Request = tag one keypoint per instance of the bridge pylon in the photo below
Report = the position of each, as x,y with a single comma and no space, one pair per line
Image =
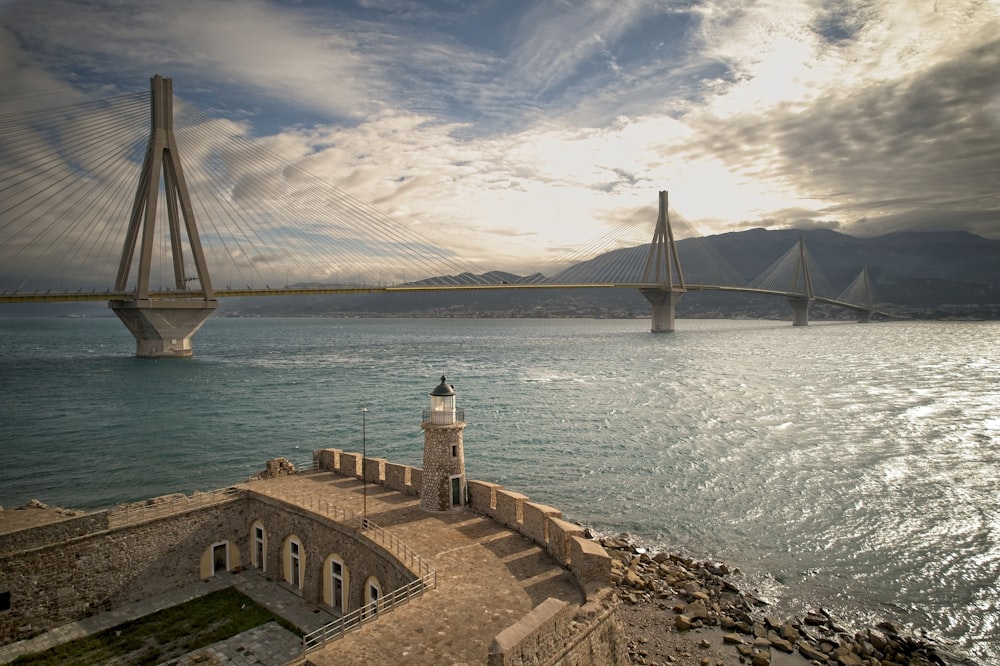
163,325
662,273
801,280
865,316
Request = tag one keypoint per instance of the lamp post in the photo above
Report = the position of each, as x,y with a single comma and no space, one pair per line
364,458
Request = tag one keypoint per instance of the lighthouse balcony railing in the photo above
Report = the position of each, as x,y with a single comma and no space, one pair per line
444,416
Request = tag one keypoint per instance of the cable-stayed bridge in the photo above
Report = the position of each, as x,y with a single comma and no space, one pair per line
96,204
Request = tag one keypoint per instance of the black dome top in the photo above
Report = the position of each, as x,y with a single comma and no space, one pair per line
443,389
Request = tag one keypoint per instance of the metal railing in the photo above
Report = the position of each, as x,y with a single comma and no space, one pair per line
443,417
311,503
353,620
392,543
129,514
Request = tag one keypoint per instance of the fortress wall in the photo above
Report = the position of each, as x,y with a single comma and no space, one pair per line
73,577
321,537
403,478
587,560
327,459
565,542
561,534
590,564
556,633
65,581
483,497
400,477
350,464
535,524
50,533
553,632
374,470
510,509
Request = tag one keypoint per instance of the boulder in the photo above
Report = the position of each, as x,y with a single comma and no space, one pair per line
809,652
683,622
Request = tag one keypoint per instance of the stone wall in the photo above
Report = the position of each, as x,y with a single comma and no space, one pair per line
68,574
555,632
321,537
587,560
85,574
44,535
403,478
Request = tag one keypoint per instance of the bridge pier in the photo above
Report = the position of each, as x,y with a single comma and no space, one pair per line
163,328
863,316
800,309
664,303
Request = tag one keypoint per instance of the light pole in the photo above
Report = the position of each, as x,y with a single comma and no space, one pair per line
364,458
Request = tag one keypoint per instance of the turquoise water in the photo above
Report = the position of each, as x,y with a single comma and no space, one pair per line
853,467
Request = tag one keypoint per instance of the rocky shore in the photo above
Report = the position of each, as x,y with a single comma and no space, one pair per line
680,611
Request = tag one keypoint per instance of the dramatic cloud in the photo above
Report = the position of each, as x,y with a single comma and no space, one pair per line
525,128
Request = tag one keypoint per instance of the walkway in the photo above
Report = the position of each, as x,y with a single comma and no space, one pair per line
488,577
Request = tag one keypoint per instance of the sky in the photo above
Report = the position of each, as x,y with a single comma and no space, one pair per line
530,126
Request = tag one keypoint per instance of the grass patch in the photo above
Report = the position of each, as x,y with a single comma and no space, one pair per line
166,634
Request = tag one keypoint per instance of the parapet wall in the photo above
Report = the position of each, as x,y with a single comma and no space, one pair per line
587,561
554,632
63,530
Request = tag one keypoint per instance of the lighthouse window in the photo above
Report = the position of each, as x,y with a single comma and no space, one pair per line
4,601
454,450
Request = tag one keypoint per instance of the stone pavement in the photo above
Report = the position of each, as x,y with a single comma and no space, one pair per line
267,645
488,577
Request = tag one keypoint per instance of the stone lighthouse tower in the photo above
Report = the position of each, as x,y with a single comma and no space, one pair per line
443,484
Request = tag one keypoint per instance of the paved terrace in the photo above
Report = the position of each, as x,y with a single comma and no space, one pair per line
488,577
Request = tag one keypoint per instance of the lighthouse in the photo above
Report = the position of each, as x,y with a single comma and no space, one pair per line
443,485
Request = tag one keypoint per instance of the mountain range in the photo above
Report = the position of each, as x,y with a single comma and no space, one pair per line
944,274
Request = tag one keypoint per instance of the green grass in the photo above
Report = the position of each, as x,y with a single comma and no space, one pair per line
166,634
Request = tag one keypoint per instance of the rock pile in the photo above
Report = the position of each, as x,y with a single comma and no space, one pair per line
274,468
698,595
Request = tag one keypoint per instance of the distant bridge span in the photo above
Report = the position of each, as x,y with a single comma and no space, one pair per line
163,321
79,296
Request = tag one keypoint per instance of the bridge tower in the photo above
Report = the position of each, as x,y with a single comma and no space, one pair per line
663,272
867,297
163,325
801,280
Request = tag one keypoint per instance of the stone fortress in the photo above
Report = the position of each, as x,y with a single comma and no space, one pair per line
410,565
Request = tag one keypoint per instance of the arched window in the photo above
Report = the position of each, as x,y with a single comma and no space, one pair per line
258,546
373,595
294,565
336,583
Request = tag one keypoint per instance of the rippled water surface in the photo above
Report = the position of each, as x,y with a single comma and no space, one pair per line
851,466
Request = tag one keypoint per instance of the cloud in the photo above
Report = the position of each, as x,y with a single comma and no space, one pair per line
523,129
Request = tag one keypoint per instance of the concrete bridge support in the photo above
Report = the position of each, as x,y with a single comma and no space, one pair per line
863,316
163,328
663,302
800,308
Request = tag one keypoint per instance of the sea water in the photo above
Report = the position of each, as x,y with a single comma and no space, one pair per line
853,467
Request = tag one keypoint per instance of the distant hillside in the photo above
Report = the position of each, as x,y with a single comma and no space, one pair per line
922,274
